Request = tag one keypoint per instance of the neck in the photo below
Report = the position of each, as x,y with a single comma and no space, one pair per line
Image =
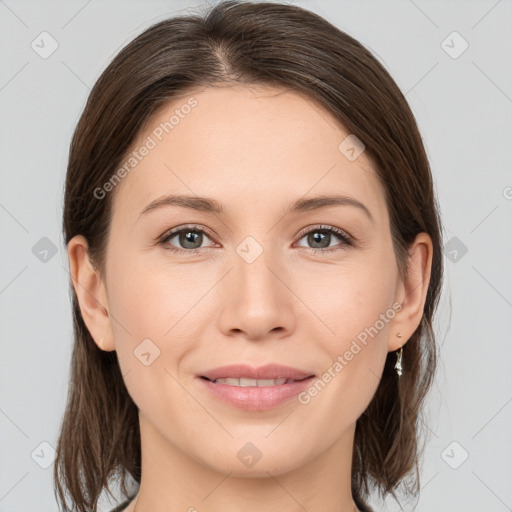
172,479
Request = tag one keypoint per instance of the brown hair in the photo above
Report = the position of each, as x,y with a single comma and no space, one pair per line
245,43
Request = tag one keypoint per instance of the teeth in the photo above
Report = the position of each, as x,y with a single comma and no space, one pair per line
243,382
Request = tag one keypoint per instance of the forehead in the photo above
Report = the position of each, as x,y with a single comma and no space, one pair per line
247,147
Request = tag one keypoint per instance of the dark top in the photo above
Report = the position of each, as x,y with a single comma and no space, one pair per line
122,506
362,506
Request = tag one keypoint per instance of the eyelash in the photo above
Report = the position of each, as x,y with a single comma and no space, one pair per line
346,239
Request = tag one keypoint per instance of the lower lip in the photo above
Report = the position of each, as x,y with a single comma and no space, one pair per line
254,398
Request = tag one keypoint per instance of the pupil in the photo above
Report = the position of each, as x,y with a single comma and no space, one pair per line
185,239
318,237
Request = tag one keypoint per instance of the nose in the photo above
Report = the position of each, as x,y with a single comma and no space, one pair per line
257,299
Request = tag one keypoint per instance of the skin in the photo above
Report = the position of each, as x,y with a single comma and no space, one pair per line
255,150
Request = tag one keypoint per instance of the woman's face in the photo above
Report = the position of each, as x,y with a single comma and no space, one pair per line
255,284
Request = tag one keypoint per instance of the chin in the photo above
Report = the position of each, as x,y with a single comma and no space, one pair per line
252,460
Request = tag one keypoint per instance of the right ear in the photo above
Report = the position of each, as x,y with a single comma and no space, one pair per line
91,293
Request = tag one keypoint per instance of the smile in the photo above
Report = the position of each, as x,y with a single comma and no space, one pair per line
247,382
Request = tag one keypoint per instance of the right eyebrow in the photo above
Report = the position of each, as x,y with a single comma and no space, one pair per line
204,204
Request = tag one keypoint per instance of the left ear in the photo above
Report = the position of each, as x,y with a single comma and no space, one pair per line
412,291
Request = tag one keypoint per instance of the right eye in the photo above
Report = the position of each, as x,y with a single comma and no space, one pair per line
190,237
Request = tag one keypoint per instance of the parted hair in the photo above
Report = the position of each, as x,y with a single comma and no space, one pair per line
245,43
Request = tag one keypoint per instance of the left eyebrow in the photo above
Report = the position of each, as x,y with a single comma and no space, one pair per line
315,203
210,205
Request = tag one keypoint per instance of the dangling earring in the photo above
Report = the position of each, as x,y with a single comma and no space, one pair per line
398,365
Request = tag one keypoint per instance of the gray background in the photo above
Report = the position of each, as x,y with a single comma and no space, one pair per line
463,104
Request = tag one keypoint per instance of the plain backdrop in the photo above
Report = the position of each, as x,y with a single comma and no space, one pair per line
452,60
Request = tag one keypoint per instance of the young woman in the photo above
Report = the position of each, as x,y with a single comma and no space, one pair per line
255,251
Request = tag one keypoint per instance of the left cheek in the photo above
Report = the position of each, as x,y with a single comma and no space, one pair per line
356,321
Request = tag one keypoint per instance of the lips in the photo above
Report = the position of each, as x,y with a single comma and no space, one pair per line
255,389
247,374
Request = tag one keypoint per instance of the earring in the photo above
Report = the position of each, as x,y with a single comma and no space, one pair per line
398,365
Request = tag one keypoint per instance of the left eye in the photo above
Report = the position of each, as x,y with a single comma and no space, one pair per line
320,237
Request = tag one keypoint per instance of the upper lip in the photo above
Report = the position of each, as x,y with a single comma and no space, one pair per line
269,371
